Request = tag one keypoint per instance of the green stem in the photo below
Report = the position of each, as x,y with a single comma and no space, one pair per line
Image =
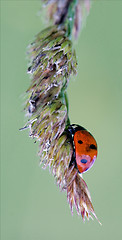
70,18
64,99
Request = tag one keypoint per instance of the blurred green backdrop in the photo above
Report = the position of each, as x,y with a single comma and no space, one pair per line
32,207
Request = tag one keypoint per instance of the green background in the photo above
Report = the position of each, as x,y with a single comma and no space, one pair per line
32,206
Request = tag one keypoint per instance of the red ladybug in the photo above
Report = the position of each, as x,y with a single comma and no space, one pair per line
84,147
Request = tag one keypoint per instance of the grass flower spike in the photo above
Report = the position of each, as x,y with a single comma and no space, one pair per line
52,61
67,149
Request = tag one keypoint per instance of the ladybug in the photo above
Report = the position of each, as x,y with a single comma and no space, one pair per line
84,147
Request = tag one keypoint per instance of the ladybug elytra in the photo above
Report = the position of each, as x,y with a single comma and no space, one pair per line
84,147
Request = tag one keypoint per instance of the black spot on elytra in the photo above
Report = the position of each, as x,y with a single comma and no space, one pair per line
80,142
92,146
